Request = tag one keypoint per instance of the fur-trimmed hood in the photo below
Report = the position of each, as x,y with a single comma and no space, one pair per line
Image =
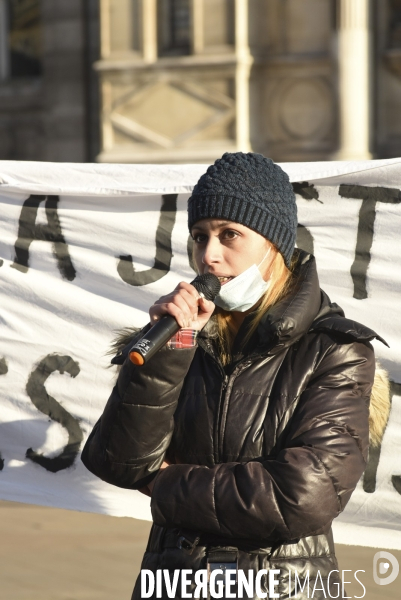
379,409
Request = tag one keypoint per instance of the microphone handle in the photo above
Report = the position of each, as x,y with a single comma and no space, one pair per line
153,340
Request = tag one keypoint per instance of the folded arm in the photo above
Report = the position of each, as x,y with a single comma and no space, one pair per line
305,485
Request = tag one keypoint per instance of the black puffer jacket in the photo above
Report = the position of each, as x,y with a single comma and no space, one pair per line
266,453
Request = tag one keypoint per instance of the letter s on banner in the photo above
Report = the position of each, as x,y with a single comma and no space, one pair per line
49,406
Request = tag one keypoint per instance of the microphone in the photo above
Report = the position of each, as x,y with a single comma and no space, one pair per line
207,285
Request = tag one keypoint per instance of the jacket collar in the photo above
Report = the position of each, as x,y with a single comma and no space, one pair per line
291,318
305,308
327,320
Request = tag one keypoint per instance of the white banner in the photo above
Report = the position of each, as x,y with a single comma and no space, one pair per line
86,249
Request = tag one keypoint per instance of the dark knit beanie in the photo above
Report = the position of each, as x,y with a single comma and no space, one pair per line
252,190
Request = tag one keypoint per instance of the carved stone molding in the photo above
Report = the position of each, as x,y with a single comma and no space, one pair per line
166,112
301,108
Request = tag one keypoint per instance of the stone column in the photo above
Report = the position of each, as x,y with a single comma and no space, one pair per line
149,12
105,28
197,26
243,68
354,70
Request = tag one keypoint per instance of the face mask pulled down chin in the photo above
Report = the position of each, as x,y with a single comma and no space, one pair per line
242,292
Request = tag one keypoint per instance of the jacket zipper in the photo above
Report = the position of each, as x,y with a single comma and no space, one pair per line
225,391
219,418
225,400
216,422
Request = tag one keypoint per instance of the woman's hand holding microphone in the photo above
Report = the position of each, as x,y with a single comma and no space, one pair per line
190,305
186,305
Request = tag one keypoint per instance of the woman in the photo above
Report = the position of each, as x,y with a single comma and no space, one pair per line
252,437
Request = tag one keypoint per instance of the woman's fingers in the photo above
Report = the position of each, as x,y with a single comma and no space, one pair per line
191,296
206,308
172,308
191,302
182,304
198,302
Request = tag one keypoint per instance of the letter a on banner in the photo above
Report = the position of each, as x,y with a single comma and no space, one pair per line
28,231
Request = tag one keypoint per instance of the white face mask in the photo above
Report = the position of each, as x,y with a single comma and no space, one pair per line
242,292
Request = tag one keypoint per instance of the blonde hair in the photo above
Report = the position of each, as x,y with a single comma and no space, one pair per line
281,280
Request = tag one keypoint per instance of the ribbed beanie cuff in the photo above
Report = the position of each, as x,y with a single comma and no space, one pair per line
246,213
252,190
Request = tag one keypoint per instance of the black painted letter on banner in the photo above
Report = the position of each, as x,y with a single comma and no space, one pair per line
369,476
3,371
367,214
306,190
396,479
49,406
3,366
28,231
304,239
164,251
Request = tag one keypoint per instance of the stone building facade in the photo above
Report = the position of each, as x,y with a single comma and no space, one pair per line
185,80
49,101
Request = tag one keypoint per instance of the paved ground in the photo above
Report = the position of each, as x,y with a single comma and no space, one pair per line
52,554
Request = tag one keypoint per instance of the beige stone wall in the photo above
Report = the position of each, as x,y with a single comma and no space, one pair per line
266,75
166,104
259,75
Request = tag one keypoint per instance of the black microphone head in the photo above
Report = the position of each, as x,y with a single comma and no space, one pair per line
208,285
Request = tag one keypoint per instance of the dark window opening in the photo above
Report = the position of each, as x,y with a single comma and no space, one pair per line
395,24
174,27
25,38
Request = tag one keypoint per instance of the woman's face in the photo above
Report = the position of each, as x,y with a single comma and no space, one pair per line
227,249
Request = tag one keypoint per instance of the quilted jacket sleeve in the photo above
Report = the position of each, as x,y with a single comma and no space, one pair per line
308,482
127,445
